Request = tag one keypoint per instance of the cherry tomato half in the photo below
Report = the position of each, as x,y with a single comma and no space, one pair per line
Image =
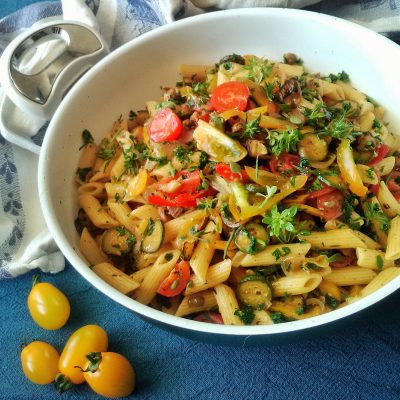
284,164
165,126
381,151
176,281
226,172
230,96
318,193
110,374
48,306
331,205
88,339
40,362
393,182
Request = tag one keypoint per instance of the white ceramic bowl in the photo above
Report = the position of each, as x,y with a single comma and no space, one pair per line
129,76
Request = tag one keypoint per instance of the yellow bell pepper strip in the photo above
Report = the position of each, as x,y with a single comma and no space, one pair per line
265,178
348,169
233,113
240,198
217,145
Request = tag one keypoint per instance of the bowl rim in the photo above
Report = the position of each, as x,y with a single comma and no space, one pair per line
144,310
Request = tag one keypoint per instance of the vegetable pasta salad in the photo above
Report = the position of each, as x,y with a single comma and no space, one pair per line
254,192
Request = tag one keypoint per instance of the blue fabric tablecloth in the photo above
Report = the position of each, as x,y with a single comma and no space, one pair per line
359,361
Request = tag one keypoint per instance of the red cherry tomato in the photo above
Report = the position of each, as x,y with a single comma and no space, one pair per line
176,281
381,151
229,96
393,182
210,317
374,189
284,164
186,200
318,193
226,172
331,204
397,196
165,126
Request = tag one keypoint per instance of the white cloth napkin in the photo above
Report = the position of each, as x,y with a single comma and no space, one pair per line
25,242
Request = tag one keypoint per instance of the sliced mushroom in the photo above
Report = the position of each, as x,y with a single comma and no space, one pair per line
291,59
256,148
290,92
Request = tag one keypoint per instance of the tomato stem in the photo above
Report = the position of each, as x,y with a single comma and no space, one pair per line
35,279
62,383
94,362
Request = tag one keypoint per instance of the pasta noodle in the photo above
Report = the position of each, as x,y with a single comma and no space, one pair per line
252,192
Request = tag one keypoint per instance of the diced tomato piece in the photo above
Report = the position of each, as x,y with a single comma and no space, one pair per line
393,182
165,126
175,283
210,317
230,96
381,152
226,172
284,164
331,205
374,189
397,196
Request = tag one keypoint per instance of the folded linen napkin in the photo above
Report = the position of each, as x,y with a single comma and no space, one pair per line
25,242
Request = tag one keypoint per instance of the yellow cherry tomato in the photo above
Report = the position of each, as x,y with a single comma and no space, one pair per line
88,339
110,374
48,306
40,362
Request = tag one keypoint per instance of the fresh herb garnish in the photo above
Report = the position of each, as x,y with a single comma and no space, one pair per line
83,173
282,224
285,141
252,128
277,317
86,138
341,76
284,251
246,314
379,262
257,69
331,301
373,212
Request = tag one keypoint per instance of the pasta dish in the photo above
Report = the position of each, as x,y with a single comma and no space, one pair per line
253,192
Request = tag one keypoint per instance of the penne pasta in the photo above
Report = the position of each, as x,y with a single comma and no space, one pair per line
380,280
393,240
340,239
164,264
96,212
348,276
294,284
373,259
227,304
116,278
90,249
201,301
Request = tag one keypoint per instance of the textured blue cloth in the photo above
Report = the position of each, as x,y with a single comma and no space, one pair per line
361,361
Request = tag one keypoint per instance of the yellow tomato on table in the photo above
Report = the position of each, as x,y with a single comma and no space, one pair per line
40,362
85,340
48,306
110,374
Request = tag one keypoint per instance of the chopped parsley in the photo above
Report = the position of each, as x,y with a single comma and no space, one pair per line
373,212
257,69
87,138
285,141
252,128
331,301
83,173
301,310
379,262
339,127
246,314
282,224
284,251
341,76
277,317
